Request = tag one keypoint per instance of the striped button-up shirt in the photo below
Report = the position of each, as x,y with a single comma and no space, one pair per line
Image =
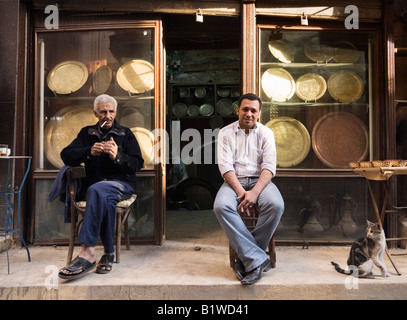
246,154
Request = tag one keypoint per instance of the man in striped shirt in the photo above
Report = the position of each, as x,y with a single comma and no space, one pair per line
247,162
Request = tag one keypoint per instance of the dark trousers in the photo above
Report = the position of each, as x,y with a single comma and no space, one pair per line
100,214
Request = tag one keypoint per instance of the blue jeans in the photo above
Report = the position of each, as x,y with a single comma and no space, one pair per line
100,214
250,247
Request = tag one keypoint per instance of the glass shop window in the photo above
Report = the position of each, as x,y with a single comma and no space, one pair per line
74,67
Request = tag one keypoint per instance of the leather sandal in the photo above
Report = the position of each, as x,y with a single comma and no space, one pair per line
105,263
76,265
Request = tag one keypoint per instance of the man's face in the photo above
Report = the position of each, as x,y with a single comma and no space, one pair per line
249,113
106,112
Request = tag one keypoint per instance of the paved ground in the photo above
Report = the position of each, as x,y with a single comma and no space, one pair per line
195,270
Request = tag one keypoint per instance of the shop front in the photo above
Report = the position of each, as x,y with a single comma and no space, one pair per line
321,72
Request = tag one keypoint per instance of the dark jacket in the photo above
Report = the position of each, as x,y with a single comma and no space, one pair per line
123,168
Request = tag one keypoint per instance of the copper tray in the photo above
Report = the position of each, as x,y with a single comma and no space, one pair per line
136,76
292,141
278,84
62,128
339,138
282,50
67,77
345,86
310,87
102,79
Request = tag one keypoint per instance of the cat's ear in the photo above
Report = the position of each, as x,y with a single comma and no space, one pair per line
370,224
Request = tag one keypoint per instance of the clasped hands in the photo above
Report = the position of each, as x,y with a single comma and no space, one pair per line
247,203
109,147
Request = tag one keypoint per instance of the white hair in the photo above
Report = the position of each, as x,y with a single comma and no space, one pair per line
104,98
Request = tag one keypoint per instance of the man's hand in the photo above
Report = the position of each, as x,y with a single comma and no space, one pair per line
109,147
247,203
97,149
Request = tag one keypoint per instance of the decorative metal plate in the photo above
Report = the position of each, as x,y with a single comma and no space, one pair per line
206,109
318,52
179,109
102,79
310,87
346,52
339,138
345,86
67,77
292,141
63,128
145,139
193,110
282,50
136,76
278,84
225,107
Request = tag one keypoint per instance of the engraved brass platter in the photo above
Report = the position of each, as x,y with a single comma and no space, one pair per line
339,138
102,79
345,86
292,141
145,139
282,50
278,84
345,52
62,128
310,87
136,76
67,77
318,52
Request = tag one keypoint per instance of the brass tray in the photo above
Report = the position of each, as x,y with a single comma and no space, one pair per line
345,86
310,87
345,52
62,128
282,50
292,141
318,52
136,76
339,138
67,77
278,84
102,79
145,139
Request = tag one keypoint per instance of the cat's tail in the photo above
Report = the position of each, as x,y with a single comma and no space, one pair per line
339,269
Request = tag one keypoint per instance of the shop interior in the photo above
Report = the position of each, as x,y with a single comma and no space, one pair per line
203,82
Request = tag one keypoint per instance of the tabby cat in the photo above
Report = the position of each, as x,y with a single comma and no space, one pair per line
366,251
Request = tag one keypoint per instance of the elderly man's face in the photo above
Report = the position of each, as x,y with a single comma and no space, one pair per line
106,112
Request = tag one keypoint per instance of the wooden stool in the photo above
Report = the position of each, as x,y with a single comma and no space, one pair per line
78,209
250,223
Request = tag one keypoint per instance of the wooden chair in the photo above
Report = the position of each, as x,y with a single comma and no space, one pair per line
78,210
250,223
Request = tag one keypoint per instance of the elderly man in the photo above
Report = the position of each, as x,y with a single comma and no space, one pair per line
112,156
247,162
